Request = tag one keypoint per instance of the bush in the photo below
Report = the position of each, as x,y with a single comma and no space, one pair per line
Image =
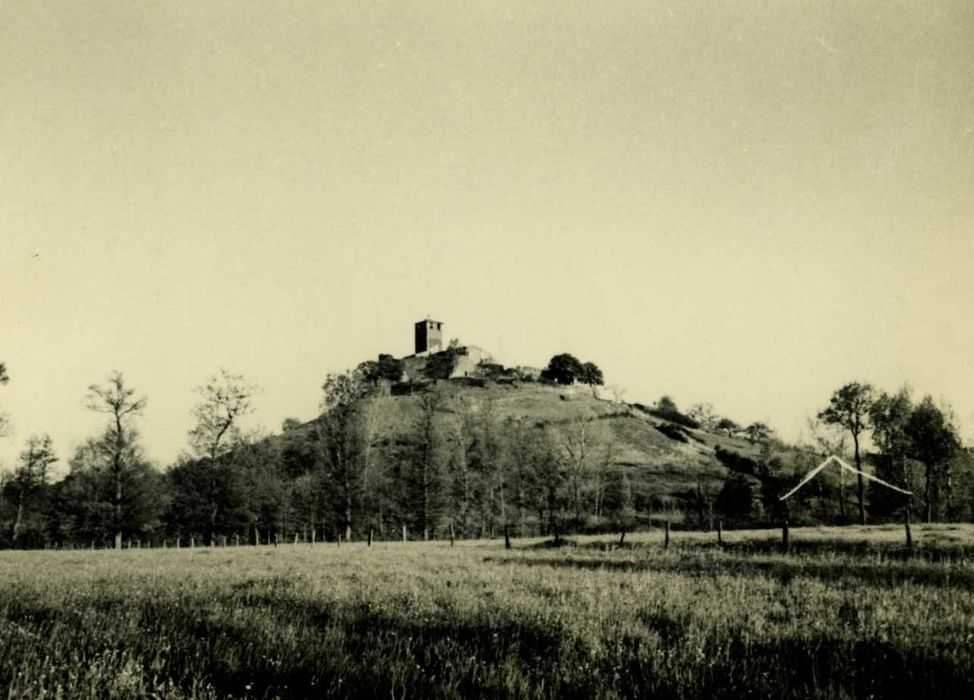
736,462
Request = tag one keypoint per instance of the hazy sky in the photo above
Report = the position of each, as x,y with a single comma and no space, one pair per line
746,203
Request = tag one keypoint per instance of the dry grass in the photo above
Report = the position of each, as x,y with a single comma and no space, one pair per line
845,615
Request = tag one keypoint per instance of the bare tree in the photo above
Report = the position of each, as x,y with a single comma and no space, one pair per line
585,449
224,400
705,415
120,442
827,440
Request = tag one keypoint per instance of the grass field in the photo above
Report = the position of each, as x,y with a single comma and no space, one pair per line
846,614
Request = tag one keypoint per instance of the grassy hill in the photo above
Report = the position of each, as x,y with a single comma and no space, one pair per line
666,462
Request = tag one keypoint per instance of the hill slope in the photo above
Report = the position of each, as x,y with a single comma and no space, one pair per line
665,463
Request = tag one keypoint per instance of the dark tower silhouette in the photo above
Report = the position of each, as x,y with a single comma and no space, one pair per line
429,336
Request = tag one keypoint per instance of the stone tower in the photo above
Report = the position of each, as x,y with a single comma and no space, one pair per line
429,336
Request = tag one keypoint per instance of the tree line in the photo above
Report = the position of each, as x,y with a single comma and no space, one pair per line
443,462
438,465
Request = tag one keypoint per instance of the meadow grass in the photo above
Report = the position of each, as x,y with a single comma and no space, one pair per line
845,614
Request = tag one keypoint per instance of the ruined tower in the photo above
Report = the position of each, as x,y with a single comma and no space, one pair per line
429,336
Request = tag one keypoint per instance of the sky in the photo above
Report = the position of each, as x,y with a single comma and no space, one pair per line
741,203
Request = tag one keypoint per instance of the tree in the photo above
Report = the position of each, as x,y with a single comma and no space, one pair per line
591,375
666,405
29,481
87,504
340,442
524,451
428,461
585,453
826,440
440,365
563,369
386,368
758,432
849,408
727,426
618,502
119,444
735,502
704,414
489,371
552,475
289,425
224,400
933,441
890,415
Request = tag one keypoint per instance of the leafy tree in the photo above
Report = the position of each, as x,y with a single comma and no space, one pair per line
758,432
890,415
735,502
441,365
119,444
667,409
390,368
563,369
265,498
340,443
933,441
727,426
30,482
552,474
289,425
489,371
87,503
850,408
667,405
524,452
591,375
427,463
386,368
224,400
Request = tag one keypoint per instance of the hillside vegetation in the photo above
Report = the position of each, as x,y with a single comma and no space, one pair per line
493,452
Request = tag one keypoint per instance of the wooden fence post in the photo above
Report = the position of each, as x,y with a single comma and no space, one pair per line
785,540
404,533
452,534
314,536
371,533
720,533
339,539
666,540
507,537
909,534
